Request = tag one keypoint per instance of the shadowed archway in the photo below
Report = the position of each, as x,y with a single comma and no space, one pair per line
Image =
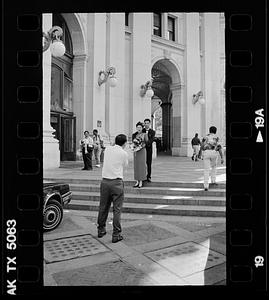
165,76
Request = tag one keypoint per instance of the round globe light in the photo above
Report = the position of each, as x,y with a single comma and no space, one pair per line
113,81
57,48
150,93
202,101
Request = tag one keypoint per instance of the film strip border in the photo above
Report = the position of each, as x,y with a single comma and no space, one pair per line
22,164
246,154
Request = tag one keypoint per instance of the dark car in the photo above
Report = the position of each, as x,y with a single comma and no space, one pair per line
55,196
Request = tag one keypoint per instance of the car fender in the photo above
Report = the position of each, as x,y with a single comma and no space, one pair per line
54,195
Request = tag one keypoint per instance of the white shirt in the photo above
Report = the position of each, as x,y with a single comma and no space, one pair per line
115,159
87,141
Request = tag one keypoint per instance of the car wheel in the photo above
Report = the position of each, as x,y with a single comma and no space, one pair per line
52,215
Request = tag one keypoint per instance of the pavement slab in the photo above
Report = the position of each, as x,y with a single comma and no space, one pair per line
156,250
187,258
145,233
210,276
106,274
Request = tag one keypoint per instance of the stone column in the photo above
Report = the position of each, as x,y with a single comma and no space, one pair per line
79,95
51,151
212,70
140,67
95,102
177,128
165,25
166,118
193,80
115,57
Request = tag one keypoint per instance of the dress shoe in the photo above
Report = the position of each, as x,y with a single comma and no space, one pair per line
140,185
148,180
116,239
101,233
136,185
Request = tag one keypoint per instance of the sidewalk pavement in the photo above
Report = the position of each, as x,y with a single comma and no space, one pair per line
156,250
164,168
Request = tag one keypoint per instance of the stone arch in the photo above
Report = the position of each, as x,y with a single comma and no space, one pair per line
171,66
171,102
76,30
76,26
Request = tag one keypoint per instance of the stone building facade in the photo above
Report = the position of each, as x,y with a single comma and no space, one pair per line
182,53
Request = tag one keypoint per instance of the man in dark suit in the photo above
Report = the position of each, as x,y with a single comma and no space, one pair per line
151,135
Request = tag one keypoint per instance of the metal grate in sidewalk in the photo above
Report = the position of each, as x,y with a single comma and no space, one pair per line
69,248
187,258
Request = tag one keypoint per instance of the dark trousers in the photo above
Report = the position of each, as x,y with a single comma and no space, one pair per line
111,190
87,159
149,161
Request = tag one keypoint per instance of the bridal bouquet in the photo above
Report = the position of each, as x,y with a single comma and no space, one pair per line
136,144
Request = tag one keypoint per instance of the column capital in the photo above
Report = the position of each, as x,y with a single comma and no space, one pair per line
80,58
176,86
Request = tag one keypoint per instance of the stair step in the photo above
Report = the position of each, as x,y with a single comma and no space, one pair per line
142,208
171,184
156,199
154,190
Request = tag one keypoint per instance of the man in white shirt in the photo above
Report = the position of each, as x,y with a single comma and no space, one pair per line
112,187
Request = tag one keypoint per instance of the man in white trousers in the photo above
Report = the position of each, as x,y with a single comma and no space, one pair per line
211,147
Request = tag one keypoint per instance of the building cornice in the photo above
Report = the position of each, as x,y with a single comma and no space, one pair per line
166,43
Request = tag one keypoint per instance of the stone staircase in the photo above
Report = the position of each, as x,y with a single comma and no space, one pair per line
163,198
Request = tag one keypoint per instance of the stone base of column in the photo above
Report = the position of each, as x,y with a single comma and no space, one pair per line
176,151
181,151
51,152
189,151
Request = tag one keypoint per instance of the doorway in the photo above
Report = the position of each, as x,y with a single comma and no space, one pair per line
62,116
161,109
165,106
65,131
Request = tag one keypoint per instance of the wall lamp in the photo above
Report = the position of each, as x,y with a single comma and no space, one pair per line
108,74
52,38
198,97
146,90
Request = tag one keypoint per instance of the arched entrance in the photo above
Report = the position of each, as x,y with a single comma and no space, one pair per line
62,115
67,79
166,111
